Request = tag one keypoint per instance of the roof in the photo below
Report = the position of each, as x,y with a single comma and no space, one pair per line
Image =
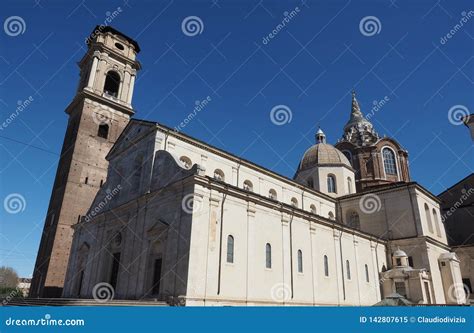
108,28
456,184
390,186
321,154
394,299
235,157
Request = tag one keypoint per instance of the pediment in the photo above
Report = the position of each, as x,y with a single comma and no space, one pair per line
132,132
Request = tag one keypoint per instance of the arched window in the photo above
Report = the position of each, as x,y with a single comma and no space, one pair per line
294,202
353,220
186,162
428,218
81,264
348,155
268,256
312,208
436,223
112,84
367,273
248,186
389,163
103,131
331,184
348,270
331,215
300,261
219,175
272,194
326,266
349,185
230,249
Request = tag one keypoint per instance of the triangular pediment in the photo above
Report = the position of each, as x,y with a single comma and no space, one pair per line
135,130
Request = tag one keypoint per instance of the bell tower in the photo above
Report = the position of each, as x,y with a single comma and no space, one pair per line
97,116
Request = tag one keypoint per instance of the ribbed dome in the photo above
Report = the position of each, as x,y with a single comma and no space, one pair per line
323,153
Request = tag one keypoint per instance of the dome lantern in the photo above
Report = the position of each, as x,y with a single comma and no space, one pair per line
320,136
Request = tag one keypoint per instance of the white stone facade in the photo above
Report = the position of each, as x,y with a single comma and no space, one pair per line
205,220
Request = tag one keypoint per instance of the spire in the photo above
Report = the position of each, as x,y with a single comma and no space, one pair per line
358,129
355,110
320,136
356,115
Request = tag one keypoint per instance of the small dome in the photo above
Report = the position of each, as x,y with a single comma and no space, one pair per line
321,154
399,254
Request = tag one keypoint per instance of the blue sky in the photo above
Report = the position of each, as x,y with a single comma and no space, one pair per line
310,66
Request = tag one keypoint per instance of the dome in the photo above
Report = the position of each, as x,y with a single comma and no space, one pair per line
321,154
399,253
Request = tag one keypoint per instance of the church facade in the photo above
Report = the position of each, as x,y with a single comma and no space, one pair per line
177,219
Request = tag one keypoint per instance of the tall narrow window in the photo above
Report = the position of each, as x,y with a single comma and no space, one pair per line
436,223
268,256
326,266
112,84
428,218
389,163
310,183
312,208
348,270
367,273
86,181
103,131
331,184
349,185
114,269
230,249
300,261
348,155
137,173
354,220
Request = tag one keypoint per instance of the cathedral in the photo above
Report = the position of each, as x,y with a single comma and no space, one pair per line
153,213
